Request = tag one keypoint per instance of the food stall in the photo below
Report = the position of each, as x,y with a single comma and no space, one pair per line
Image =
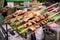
25,22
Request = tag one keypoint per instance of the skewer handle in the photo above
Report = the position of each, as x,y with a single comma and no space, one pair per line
23,30
47,7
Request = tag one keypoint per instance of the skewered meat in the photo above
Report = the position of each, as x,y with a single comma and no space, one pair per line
14,15
45,15
19,12
19,17
6,21
30,15
37,18
13,20
37,25
32,19
35,21
8,17
27,15
32,28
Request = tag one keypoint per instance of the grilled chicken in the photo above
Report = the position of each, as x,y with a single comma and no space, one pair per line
29,15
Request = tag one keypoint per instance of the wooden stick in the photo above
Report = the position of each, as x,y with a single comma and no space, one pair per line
31,27
47,8
54,9
23,30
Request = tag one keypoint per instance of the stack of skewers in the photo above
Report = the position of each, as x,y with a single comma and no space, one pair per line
26,21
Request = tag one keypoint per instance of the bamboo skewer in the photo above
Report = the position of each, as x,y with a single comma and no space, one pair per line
31,27
47,8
